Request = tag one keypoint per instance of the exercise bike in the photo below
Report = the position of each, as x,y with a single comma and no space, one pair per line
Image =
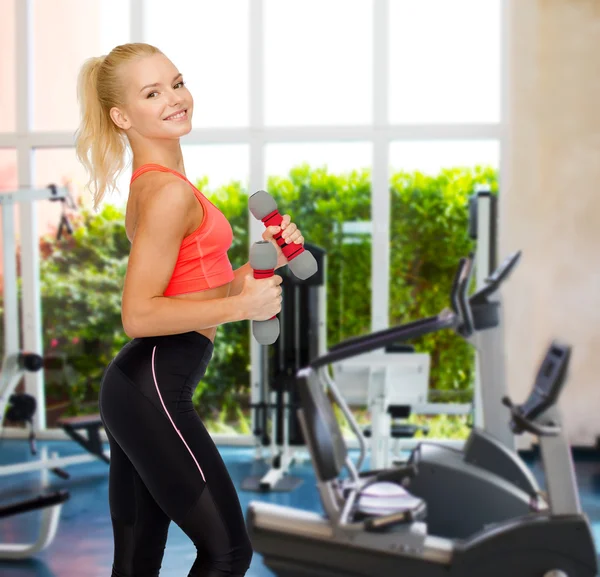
22,408
375,525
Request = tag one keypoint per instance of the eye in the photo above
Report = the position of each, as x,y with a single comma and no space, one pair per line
179,84
151,93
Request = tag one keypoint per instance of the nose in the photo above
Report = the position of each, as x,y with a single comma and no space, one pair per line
173,98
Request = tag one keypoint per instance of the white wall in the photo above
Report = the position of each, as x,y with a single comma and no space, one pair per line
551,203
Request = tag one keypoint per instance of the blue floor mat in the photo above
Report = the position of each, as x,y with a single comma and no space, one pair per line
83,545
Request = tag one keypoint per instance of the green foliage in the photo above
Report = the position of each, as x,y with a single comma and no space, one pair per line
429,220
82,279
322,203
81,284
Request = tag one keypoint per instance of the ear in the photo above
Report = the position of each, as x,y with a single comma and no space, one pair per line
120,118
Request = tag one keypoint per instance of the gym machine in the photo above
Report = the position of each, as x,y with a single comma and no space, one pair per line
19,365
448,479
375,525
490,375
302,338
394,383
33,393
13,369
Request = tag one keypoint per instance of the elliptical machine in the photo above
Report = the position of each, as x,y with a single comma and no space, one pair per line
460,494
373,526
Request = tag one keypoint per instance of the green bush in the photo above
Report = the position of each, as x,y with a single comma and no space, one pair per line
82,278
81,284
429,220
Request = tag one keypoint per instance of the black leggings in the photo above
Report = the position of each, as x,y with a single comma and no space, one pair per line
164,466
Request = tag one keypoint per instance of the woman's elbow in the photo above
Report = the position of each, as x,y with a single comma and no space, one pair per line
128,328
132,325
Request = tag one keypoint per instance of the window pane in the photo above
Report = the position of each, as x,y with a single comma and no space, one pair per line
318,62
337,157
429,220
330,200
8,169
208,41
60,165
8,79
66,33
444,61
433,156
219,164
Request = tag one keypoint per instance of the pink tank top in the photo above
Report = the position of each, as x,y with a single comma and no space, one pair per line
202,263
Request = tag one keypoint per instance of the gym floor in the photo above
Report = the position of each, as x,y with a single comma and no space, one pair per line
83,544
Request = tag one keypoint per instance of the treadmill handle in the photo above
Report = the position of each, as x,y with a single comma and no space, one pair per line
357,346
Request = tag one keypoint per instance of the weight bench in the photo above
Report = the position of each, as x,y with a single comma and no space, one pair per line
91,424
50,506
34,504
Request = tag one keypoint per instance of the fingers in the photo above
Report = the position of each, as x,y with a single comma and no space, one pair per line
296,237
277,280
270,232
288,231
286,221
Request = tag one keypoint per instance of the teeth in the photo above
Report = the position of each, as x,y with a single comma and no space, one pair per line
178,115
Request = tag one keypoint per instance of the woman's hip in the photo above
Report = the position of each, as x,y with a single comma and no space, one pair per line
164,369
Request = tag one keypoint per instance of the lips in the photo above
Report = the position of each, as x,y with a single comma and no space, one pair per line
179,115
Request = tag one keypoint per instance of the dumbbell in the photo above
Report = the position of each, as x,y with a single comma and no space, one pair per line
301,262
263,260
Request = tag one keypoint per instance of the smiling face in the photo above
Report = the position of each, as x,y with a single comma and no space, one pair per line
157,104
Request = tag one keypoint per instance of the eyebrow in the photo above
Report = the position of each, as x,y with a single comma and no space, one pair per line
157,83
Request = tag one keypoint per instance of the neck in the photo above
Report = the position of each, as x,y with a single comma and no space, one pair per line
165,153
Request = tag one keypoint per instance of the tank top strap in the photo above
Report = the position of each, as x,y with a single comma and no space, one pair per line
160,168
151,167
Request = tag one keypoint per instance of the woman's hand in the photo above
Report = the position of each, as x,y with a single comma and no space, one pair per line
261,298
291,234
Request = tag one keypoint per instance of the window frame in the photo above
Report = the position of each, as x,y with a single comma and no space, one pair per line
381,133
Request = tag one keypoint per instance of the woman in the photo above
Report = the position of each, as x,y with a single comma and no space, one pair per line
179,287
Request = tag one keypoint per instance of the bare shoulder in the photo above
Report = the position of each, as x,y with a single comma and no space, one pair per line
165,212
163,200
162,197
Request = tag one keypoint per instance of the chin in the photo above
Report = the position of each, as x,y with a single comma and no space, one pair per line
182,130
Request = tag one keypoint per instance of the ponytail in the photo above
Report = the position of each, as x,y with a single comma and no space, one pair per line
100,145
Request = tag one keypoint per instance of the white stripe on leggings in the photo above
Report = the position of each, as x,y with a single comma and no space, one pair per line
170,419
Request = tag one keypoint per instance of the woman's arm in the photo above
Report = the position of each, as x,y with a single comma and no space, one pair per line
235,288
163,222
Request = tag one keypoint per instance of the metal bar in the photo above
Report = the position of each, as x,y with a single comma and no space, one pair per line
43,464
256,179
136,22
416,132
380,189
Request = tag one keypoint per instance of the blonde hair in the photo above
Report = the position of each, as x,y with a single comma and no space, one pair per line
100,144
